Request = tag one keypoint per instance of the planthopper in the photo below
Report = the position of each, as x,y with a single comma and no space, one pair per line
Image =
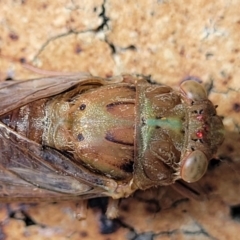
76,137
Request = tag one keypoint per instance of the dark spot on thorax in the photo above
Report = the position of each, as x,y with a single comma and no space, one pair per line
82,107
80,137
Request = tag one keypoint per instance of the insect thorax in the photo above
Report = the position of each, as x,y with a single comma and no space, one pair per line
121,131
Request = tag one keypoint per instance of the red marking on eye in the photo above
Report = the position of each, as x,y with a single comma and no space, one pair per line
199,134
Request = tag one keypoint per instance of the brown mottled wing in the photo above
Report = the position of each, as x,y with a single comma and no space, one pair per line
30,172
18,93
27,170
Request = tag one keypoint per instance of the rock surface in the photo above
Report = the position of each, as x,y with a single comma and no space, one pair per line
169,40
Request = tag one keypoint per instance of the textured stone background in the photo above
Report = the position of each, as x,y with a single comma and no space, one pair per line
169,40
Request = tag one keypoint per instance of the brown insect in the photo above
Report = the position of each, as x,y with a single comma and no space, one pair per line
79,137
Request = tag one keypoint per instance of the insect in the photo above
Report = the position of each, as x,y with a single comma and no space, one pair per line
79,137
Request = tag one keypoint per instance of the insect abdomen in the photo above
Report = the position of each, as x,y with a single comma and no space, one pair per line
28,120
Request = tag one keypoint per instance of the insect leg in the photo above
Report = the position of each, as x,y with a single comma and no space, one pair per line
192,192
112,208
81,211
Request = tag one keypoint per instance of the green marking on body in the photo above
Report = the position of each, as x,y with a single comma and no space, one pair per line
174,124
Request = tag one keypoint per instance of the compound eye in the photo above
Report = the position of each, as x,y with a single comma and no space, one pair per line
193,90
194,166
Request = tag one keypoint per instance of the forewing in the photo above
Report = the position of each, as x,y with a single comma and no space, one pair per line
18,93
31,172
